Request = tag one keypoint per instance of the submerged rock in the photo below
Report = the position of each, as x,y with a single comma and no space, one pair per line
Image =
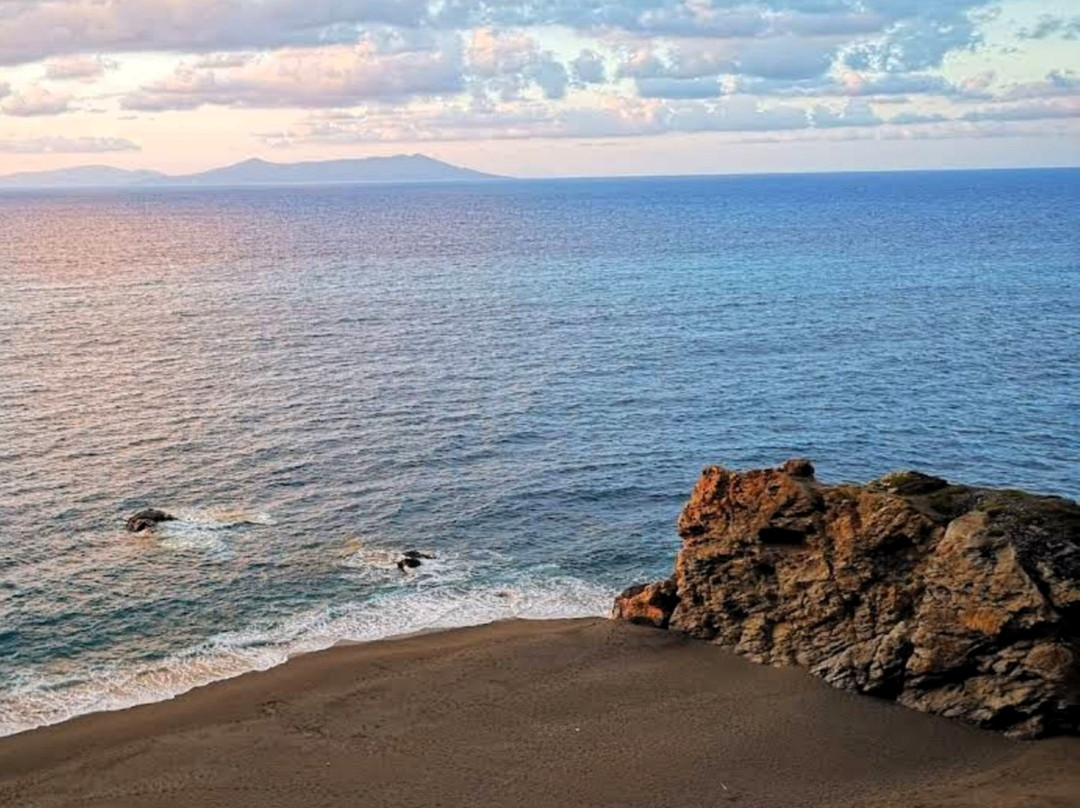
147,519
950,599
411,559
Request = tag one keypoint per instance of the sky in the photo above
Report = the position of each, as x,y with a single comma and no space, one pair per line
542,87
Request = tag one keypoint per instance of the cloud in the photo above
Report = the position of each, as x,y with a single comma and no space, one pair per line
647,17
494,53
916,118
66,145
464,69
737,114
1050,26
1055,84
835,23
698,19
506,63
855,113
35,101
213,61
912,32
550,76
334,76
883,87
785,58
849,84
684,18
81,67
615,117
856,84
1027,111
34,29
944,130
589,68
660,87
920,37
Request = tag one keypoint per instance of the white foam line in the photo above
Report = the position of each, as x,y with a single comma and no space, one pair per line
51,699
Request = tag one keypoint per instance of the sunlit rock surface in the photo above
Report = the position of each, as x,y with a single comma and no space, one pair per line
950,599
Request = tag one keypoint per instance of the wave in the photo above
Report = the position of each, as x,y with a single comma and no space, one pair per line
220,518
204,529
40,698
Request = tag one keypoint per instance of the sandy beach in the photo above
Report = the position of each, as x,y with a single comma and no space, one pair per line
582,712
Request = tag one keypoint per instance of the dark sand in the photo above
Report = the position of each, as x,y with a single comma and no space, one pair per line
560,713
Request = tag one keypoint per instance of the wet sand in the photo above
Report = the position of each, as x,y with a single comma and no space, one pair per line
553,713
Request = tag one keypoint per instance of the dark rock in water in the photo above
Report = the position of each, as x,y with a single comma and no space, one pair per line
950,599
147,519
648,604
411,559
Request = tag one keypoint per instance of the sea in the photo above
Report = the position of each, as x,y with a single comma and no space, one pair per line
521,378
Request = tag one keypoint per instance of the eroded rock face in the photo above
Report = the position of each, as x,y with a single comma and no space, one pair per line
648,604
954,600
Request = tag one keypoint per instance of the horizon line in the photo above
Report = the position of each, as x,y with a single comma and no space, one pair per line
487,178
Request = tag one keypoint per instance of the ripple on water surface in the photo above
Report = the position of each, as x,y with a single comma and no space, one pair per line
521,378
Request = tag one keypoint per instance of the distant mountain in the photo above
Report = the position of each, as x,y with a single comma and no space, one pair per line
402,168
81,177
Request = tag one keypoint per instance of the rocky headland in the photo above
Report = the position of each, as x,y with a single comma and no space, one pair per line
949,599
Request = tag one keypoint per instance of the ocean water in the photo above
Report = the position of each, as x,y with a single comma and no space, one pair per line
524,378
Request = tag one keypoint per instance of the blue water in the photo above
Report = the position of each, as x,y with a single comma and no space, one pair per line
524,378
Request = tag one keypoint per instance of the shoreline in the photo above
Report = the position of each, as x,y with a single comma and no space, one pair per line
168,678
527,712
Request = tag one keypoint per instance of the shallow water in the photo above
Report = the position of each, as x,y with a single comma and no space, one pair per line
523,378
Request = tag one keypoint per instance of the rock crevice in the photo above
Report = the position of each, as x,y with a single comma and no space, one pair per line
950,599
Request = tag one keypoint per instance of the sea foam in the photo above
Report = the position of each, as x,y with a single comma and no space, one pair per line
49,697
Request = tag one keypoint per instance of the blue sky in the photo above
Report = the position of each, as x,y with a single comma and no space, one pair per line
542,87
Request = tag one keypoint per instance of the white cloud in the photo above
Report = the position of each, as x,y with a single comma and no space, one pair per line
213,61
784,58
66,145
661,87
35,101
615,117
64,68
34,29
334,76
1051,26
1055,84
915,32
506,63
679,60
494,53
643,67
1028,110
917,118
920,40
947,129
854,113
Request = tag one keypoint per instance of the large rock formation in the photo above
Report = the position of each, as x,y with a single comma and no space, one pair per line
950,599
